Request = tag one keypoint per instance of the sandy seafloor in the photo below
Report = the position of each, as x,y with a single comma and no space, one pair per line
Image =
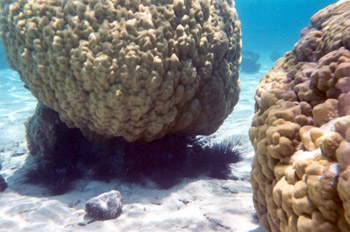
200,204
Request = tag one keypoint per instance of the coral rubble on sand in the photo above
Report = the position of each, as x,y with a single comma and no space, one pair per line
301,133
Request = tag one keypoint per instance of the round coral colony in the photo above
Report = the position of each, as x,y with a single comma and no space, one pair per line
301,131
137,69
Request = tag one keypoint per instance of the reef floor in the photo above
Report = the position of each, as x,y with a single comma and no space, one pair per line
198,204
193,204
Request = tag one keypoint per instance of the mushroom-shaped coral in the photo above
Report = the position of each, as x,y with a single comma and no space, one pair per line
301,131
138,69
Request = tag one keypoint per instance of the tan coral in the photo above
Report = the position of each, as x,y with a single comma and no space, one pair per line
301,131
325,112
344,191
137,69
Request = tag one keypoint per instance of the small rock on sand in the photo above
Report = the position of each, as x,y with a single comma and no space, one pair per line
105,206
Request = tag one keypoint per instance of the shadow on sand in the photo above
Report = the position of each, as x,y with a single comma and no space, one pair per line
165,162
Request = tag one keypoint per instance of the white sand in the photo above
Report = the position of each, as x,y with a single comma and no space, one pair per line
201,204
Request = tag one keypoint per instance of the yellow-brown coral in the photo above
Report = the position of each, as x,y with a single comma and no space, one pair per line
301,131
137,69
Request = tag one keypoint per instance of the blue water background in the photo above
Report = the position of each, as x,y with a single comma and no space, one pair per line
275,25
3,62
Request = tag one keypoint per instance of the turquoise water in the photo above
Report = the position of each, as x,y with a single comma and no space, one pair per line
275,25
3,62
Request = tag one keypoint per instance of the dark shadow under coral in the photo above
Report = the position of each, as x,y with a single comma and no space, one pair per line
62,155
165,161
168,160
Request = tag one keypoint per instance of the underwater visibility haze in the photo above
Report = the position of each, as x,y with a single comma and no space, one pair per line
173,184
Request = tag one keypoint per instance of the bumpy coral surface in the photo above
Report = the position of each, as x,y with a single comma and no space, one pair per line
136,68
301,131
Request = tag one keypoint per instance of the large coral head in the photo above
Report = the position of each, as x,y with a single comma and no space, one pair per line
138,69
301,131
